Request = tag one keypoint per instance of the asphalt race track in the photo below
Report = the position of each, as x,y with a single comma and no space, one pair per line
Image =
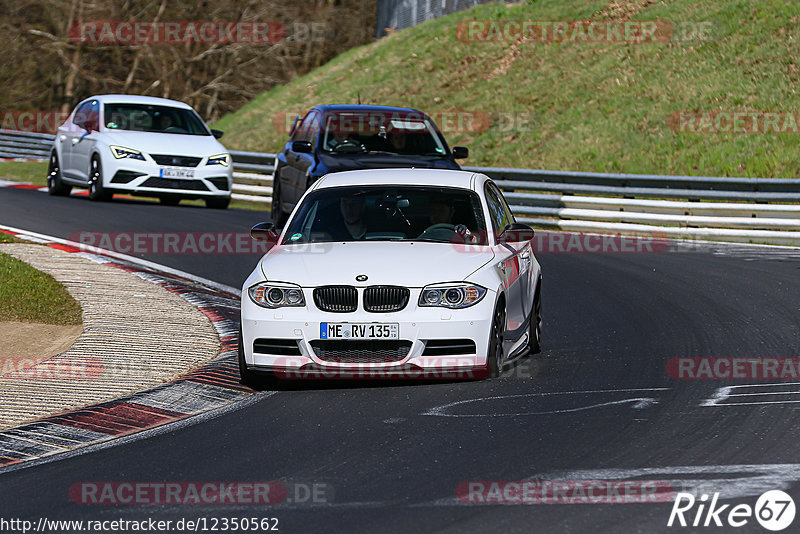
596,404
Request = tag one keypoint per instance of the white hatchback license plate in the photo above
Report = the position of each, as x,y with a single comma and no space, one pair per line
359,330
176,172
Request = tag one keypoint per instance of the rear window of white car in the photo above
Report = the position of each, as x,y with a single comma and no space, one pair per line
389,213
150,118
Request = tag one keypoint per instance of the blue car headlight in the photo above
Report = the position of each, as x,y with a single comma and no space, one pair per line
270,295
219,159
120,152
452,296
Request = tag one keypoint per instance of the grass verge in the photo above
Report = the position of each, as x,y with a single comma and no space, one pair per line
34,172
28,295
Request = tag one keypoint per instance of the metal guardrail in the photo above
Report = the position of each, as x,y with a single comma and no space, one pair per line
27,145
762,210
252,176
757,210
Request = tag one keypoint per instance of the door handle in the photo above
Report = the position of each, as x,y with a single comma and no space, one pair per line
75,140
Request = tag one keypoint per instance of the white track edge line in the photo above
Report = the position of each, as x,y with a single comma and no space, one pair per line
131,259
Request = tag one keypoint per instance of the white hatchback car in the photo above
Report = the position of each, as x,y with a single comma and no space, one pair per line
395,272
142,146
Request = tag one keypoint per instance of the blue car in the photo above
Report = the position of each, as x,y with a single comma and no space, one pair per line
335,138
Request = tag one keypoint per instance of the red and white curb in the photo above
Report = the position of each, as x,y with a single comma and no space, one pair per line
210,387
8,184
20,185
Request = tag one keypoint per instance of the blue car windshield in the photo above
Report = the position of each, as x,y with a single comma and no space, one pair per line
388,213
403,133
150,118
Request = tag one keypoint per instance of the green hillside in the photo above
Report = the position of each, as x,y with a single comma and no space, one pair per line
588,106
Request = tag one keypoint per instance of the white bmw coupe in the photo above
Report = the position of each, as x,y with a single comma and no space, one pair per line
395,272
142,146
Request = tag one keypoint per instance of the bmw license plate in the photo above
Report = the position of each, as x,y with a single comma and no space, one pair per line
176,172
359,330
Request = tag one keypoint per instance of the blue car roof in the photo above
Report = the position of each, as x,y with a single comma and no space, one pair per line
362,107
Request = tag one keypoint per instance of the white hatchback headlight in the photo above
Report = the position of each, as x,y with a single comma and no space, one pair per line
270,295
120,152
451,295
219,159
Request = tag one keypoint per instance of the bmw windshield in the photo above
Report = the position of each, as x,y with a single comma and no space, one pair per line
373,132
388,213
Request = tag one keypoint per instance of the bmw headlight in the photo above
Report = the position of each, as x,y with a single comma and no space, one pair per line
219,159
120,152
452,296
277,295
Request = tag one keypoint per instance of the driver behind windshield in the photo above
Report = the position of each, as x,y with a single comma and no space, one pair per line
164,122
351,225
441,211
398,141
336,138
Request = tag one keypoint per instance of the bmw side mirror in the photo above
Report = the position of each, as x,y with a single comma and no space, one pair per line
516,233
217,134
265,231
301,147
460,152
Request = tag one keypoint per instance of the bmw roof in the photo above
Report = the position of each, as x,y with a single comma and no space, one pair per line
431,177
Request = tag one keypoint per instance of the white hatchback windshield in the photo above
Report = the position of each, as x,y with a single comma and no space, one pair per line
150,118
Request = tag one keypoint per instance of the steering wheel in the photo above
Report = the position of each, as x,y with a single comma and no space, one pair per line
439,228
349,145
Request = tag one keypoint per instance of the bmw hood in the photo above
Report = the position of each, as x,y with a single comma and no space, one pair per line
164,143
410,264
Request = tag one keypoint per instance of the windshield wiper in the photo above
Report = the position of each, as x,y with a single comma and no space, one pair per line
427,240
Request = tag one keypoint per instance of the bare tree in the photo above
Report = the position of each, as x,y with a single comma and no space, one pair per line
49,67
